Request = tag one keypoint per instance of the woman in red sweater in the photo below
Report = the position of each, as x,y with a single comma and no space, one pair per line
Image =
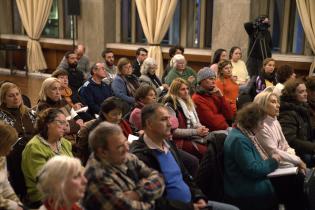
227,84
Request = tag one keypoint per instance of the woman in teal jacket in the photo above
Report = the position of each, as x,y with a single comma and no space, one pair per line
246,164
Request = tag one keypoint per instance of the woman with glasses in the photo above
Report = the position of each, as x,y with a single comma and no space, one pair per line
125,83
51,126
13,112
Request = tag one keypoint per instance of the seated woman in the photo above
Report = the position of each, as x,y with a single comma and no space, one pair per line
271,138
111,111
219,55
51,126
181,70
125,83
239,69
295,120
246,164
148,77
226,83
144,95
267,76
283,74
188,133
14,113
8,199
61,191
66,93
50,97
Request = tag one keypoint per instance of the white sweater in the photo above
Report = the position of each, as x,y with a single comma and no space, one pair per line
272,140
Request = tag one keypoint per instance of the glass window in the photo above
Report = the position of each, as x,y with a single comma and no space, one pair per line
17,24
52,26
126,21
208,22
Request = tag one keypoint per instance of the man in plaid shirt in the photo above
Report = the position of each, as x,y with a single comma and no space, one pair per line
116,178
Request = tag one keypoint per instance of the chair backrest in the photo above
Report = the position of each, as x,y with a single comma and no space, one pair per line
209,176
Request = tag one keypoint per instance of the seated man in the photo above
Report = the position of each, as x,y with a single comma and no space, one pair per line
158,153
110,67
75,76
118,179
213,109
141,55
83,61
95,91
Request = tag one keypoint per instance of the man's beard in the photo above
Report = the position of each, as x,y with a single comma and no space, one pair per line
73,65
109,64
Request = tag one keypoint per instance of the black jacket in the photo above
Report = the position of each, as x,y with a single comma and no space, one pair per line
141,150
296,126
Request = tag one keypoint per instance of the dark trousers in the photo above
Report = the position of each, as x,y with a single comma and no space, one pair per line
290,191
254,66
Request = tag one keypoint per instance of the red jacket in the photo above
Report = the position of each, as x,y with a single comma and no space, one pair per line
213,111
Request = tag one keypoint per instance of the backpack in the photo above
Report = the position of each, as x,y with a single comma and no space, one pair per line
209,176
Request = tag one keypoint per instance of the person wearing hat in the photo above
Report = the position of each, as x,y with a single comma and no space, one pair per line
213,110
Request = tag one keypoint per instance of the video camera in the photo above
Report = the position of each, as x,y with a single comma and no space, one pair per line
260,25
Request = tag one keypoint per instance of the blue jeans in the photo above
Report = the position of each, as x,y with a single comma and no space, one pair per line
221,206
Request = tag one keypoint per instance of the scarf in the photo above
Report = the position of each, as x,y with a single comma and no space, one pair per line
191,115
132,84
155,80
254,140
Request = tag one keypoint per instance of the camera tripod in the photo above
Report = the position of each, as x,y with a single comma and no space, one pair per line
262,44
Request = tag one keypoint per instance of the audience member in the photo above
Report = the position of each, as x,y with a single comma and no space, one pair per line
75,76
239,69
171,52
125,83
188,133
8,199
14,113
141,55
295,120
116,178
83,63
50,97
110,67
157,152
289,188
144,95
181,70
267,76
95,91
219,55
283,73
51,126
111,111
148,77
246,164
310,86
214,111
62,183
226,83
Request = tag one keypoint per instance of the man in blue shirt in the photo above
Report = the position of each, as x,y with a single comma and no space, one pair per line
158,153
94,91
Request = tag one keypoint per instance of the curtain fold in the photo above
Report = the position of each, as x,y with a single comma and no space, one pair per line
155,17
34,15
306,10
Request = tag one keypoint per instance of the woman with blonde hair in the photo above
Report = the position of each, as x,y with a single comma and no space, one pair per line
61,191
188,133
8,199
267,75
272,140
13,112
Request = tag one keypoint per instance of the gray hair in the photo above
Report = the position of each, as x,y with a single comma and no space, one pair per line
98,138
45,86
176,58
146,65
53,176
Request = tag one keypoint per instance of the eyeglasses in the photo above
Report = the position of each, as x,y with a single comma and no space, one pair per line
61,122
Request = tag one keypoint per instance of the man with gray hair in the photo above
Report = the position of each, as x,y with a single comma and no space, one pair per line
213,109
116,178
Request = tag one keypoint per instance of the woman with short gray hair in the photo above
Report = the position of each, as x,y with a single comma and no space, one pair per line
148,76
